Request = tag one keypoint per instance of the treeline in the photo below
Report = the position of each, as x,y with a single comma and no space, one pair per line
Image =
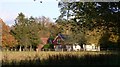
92,22
27,32
83,22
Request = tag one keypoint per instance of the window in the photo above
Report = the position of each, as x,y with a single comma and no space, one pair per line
58,41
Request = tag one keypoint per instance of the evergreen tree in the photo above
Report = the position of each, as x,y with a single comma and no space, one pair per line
26,31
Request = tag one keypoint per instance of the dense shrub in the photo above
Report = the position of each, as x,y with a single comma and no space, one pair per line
48,46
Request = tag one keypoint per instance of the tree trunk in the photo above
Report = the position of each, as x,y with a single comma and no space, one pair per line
62,49
25,48
15,49
20,49
30,48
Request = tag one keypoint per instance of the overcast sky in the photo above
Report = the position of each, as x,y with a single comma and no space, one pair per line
9,9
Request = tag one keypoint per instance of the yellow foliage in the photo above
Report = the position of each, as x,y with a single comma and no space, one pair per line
94,36
113,38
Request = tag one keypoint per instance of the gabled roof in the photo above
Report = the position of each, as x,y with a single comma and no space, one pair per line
61,36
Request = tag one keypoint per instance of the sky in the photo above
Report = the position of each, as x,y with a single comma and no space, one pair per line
9,9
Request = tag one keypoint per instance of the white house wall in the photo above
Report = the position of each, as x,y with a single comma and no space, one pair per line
76,47
91,48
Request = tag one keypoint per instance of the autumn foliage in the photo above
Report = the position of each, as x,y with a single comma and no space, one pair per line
7,39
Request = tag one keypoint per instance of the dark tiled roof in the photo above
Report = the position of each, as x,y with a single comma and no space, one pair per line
62,36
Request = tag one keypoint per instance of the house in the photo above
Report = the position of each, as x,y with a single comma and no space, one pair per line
69,47
59,39
91,47
59,42
44,41
76,47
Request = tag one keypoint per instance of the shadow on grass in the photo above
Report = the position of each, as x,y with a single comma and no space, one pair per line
101,59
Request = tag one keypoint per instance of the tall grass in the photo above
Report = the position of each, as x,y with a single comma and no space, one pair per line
60,58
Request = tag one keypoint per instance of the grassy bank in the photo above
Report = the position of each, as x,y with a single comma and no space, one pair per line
60,58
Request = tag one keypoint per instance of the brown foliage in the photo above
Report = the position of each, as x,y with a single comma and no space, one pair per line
7,38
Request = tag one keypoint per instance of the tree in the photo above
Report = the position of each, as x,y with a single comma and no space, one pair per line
84,12
20,30
26,31
33,32
93,16
44,25
8,41
73,32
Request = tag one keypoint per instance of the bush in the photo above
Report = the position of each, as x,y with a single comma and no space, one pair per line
48,46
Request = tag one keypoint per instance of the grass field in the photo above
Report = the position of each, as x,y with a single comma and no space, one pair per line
12,58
